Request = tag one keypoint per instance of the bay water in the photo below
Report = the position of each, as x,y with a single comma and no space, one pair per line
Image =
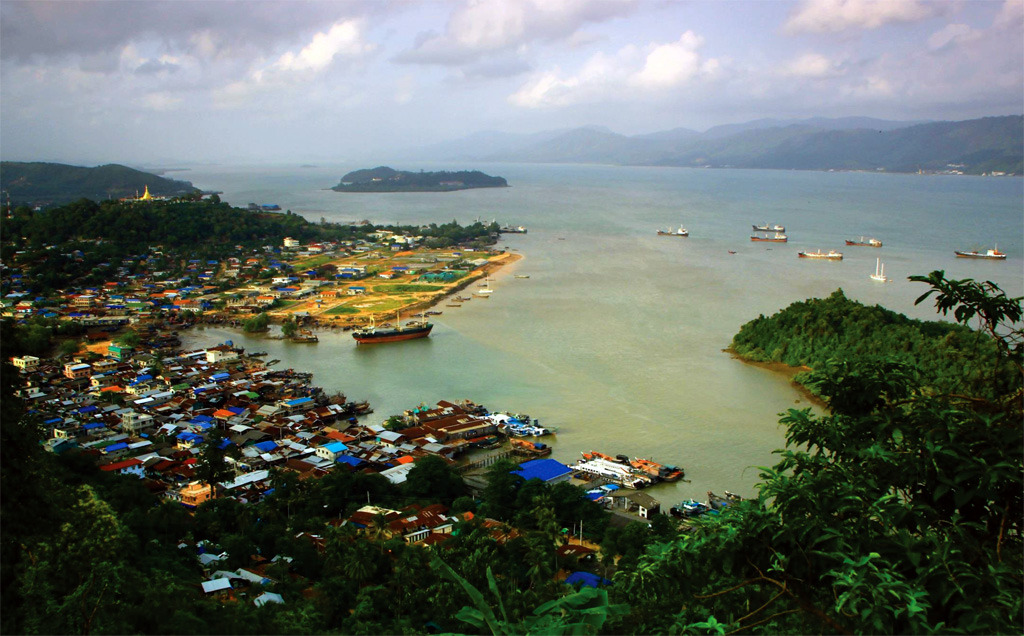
617,336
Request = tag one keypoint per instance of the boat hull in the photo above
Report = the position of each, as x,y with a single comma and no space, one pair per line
768,240
380,336
831,256
864,244
992,257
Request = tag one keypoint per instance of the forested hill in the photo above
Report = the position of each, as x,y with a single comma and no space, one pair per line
384,179
976,146
47,183
950,358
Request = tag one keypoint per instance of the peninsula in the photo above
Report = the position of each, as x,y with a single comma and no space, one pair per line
384,179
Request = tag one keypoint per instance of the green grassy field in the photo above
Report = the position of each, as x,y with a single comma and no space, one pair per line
342,309
406,288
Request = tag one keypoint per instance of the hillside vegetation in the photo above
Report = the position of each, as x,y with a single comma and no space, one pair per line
976,146
384,179
46,183
950,358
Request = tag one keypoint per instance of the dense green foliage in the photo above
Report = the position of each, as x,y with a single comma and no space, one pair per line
900,511
84,243
39,182
950,357
384,179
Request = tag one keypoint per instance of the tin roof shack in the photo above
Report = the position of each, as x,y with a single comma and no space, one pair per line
639,502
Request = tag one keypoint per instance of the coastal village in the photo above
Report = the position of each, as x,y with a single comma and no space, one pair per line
142,407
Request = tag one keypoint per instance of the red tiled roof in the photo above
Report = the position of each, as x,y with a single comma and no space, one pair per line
122,464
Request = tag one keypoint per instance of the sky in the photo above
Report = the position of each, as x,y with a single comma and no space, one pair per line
153,82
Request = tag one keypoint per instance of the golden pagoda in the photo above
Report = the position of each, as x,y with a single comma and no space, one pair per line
146,196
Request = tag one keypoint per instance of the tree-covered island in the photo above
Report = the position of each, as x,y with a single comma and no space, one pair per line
384,179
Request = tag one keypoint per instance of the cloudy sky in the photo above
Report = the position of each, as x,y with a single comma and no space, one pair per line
147,81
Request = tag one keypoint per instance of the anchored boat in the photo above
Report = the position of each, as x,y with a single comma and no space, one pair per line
670,232
871,242
778,237
830,255
409,331
769,228
879,274
993,254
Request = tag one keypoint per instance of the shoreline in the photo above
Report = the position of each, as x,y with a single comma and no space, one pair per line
789,371
319,318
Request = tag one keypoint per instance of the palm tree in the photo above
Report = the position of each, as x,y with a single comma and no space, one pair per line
379,529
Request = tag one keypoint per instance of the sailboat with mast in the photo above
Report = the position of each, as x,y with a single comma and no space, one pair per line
409,331
879,274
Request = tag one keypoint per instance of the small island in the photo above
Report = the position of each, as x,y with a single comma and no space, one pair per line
384,179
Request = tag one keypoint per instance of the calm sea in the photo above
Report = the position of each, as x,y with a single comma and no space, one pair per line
616,338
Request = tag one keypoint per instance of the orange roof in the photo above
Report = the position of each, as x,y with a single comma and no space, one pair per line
406,459
111,388
223,413
339,436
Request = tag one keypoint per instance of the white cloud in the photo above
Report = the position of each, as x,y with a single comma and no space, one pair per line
672,64
161,100
1011,15
629,73
547,89
344,39
952,34
870,88
830,16
811,65
479,27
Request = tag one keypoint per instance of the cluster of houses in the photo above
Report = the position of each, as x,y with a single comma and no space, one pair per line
245,283
147,417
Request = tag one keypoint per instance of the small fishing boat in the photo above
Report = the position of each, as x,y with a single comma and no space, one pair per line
670,232
522,275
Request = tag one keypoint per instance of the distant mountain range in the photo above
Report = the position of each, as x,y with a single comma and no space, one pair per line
48,183
976,146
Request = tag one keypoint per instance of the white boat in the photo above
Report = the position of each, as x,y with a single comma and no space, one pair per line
674,232
879,274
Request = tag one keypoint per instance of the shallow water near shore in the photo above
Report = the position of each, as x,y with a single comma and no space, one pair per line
616,338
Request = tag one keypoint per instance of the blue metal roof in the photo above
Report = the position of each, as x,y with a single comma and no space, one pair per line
348,459
587,579
266,446
542,469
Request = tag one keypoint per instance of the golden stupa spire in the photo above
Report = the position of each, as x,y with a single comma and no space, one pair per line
146,196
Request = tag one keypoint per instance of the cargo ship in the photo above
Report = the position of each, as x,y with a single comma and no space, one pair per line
409,331
769,228
778,237
871,242
830,255
992,254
